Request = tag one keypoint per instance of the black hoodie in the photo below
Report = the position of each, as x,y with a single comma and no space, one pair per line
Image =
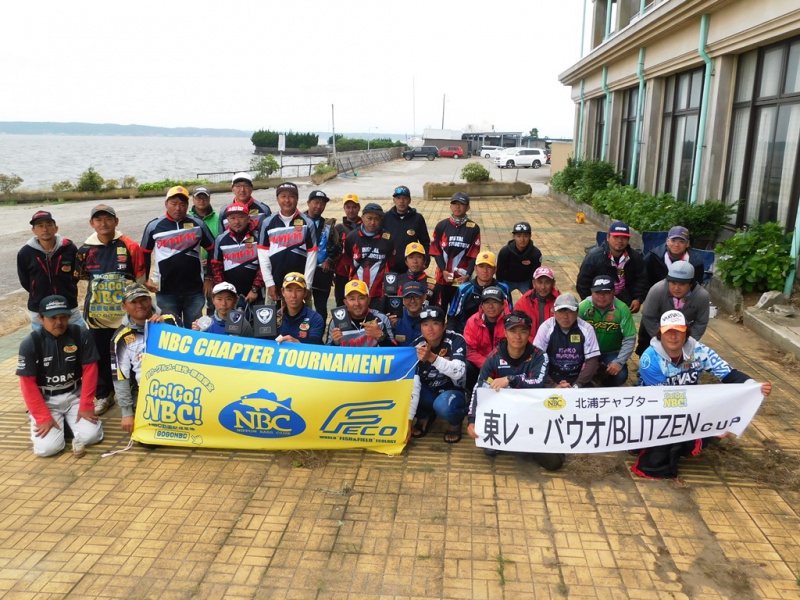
513,265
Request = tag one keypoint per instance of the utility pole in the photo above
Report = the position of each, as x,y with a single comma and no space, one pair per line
333,128
443,97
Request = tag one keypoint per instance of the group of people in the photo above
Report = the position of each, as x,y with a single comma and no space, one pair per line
467,329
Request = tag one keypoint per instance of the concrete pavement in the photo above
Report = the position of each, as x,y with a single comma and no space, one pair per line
439,521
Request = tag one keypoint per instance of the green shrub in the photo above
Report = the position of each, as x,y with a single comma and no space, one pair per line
756,260
90,181
474,172
264,166
129,181
565,179
322,168
595,175
110,184
168,183
8,183
706,220
63,186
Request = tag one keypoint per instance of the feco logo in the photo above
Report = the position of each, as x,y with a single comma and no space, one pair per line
555,402
361,419
262,415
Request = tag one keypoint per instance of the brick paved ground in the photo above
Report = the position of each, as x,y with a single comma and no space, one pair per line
440,521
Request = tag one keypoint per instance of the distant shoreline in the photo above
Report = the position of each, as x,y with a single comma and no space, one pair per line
111,129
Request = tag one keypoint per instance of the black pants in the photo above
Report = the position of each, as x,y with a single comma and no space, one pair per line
102,341
321,302
339,281
445,293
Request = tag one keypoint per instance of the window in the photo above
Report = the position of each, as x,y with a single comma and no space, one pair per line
765,134
599,127
630,101
679,132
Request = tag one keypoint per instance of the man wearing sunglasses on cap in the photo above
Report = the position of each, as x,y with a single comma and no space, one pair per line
515,364
298,323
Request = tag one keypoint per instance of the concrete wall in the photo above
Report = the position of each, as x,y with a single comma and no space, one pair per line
559,153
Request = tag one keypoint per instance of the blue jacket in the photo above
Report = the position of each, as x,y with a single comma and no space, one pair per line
407,329
307,326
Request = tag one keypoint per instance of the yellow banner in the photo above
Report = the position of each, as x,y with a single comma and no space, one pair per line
205,390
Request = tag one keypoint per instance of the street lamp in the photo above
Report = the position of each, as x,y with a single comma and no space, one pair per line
369,129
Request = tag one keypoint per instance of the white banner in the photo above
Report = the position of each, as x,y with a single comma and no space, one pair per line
582,421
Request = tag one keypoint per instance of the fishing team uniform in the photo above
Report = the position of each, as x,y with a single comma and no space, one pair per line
569,352
657,368
342,265
354,336
439,386
58,377
287,245
306,326
108,268
454,247
235,260
369,256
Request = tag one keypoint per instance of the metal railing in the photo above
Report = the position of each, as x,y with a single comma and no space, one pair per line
295,169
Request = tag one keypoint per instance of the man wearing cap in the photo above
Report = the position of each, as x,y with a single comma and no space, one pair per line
538,303
407,327
109,261
370,250
468,298
659,259
570,344
415,272
328,251
235,257
45,266
349,222
676,358
355,324
484,330
127,348
518,365
518,260
57,369
298,323
202,209
616,259
406,225
455,245
614,328
286,242
438,388
242,187
224,297
176,273
679,291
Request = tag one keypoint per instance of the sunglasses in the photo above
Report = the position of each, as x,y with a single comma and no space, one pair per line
513,321
294,279
431,313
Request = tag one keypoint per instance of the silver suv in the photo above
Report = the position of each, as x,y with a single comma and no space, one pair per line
521,157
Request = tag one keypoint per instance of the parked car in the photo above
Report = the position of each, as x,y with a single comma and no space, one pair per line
521,157
451,152
429,152
491,151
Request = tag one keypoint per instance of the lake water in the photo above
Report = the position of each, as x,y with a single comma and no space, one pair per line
42,160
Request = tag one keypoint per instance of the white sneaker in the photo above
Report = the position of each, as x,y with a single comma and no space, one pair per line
78,449
101,405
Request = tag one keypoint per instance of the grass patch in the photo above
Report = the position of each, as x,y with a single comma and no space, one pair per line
306,459
769,464
501,568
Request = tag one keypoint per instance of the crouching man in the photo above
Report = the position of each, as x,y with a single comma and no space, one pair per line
127,348
515,364
57,370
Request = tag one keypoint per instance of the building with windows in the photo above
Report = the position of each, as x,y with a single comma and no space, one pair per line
698,98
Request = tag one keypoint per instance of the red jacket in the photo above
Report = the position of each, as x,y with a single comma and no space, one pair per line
529,304
476,334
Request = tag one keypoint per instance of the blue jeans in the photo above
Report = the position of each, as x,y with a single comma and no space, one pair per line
522,286
618,380
186,308
450,405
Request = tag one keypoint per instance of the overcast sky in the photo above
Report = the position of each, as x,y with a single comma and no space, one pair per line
280,65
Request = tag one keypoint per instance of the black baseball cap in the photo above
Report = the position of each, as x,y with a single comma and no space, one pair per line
493,293
460,197
51,306
401,190
287,186
432,313
602,283
522,227
42,214
103,208
372,207
318,194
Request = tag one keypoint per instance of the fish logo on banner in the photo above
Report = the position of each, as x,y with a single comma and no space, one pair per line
262,415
